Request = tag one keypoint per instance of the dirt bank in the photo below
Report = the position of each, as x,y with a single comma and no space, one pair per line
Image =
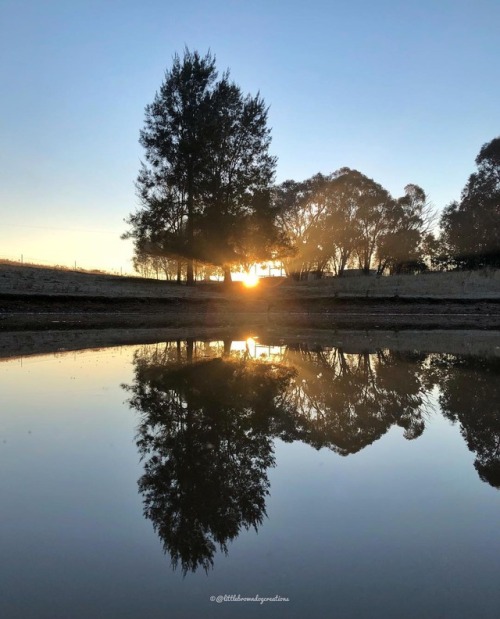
468,342
42,312
43,299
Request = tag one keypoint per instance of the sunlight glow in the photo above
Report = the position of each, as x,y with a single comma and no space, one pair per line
250,280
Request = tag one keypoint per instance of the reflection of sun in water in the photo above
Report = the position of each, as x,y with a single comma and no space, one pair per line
250,280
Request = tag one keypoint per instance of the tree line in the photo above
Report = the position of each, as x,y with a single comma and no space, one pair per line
208,203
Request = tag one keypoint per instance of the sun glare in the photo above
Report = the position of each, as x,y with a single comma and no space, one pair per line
250,280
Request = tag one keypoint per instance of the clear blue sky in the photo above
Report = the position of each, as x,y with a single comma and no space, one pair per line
402,91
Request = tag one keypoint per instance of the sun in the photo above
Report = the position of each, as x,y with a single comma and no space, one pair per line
250,280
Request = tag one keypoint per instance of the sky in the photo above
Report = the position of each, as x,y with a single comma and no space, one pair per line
403,91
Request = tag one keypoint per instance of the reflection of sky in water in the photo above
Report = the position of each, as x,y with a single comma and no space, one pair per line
399,529
250,347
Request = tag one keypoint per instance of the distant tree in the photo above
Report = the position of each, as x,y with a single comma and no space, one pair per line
354,218
141,263
471,227
431,248
407,242
334,220
204,188
301,207
341,233
373,217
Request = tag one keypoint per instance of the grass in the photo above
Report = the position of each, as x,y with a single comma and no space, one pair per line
32,280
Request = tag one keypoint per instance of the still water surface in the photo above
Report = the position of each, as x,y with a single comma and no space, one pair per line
142,481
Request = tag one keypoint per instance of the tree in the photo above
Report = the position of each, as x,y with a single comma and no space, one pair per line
342,230
176,138
204,188
237,225
157,238
373,204
407,241
332,219
471,227
301,207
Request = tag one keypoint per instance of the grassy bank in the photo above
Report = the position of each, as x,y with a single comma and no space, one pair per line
44,299
30,280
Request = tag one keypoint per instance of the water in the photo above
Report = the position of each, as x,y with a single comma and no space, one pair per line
141,481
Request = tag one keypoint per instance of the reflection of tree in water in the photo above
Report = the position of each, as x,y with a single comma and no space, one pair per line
347,401
470,394
206,436
209,415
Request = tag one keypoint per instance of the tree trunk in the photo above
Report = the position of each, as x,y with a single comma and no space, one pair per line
189,349
190,227
190,273
227,275
227,347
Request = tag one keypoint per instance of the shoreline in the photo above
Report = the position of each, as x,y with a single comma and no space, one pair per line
16,345
48,312
44,299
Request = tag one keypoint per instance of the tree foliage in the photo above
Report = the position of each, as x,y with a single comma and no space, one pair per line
206,196
347,219
204,186
407,240
471,227
301,208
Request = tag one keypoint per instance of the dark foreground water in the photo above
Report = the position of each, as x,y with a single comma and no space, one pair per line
150,482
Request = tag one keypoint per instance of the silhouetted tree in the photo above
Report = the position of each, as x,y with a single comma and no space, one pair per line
331,221
301,208
152,264
471,227
357,215
407,242
339,232
373,204
204,188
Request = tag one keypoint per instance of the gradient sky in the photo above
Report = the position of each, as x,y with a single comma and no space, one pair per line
402,91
